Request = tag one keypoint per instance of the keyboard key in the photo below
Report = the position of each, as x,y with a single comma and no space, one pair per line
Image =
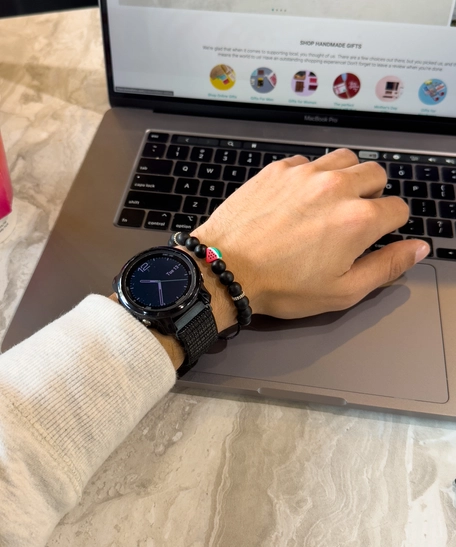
178,152
185,169
400,171
439,228
201,154
423,208
197,141
394,156
447,209
291,149
153,150
449,254
150,200
157,137
195,205
152,183
448,174
251,159
205,141
442,191
235,174
368,155
214,204
154,167
231,187
385,240
157,220
131,217
413,189
230,144
187,186
212,188
428,240
181,139
208,171
269,158
415,226
427,173
225,156
184,223
392,188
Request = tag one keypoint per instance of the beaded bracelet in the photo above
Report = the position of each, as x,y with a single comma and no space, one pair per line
218,266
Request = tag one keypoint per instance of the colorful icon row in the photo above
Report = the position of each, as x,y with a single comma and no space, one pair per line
345,86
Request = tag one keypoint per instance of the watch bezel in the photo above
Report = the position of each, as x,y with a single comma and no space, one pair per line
170,312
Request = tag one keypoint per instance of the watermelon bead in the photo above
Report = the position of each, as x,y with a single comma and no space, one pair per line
212,253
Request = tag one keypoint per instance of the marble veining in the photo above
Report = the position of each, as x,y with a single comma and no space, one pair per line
202,468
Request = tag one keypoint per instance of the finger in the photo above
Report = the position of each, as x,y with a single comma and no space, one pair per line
294,161
338,159
385,265
367,179
389,213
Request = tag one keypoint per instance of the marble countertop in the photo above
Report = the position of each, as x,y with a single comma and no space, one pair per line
202,468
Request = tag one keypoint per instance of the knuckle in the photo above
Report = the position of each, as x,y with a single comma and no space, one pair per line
332,179
361,214
369,211
377,171
346,152
403,208
395,267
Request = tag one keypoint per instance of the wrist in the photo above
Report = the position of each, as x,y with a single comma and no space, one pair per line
222,308
170,344
222,305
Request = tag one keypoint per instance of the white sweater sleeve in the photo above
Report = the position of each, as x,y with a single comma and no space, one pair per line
69,395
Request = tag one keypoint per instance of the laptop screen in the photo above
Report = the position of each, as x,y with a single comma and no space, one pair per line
389,57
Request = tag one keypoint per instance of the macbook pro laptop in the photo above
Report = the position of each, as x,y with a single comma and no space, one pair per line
206,93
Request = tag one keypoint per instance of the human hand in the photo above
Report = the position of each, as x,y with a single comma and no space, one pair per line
293,235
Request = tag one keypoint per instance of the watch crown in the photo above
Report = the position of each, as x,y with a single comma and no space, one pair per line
146,322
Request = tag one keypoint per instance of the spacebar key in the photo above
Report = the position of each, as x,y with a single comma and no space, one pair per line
151,200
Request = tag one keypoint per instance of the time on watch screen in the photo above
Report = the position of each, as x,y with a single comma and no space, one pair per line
158,282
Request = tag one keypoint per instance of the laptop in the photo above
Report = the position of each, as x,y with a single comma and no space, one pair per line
205,94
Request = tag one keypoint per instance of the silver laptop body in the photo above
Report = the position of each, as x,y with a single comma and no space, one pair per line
268,81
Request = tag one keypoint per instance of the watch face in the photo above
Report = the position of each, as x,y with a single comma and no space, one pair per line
158,281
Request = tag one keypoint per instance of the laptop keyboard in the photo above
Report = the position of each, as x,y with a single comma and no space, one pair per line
180,180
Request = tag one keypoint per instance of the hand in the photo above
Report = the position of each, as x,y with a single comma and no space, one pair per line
293,235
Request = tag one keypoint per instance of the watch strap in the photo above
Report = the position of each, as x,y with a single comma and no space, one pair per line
197,331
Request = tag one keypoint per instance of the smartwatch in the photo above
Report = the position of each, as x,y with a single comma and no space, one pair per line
163,288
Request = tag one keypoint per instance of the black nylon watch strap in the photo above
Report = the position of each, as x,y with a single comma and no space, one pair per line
197,331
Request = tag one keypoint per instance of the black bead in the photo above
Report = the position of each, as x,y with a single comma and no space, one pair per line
244,321
171,242
245,313
242,304
235,289
200,251
218,266
226,278
182,237
191,243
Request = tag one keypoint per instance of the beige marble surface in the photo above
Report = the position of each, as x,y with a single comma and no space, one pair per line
204,469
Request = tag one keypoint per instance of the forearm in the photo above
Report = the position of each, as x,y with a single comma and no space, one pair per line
69,396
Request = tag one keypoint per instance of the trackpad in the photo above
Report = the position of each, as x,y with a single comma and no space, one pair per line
390,344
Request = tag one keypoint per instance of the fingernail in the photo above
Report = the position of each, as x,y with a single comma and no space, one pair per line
422,251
